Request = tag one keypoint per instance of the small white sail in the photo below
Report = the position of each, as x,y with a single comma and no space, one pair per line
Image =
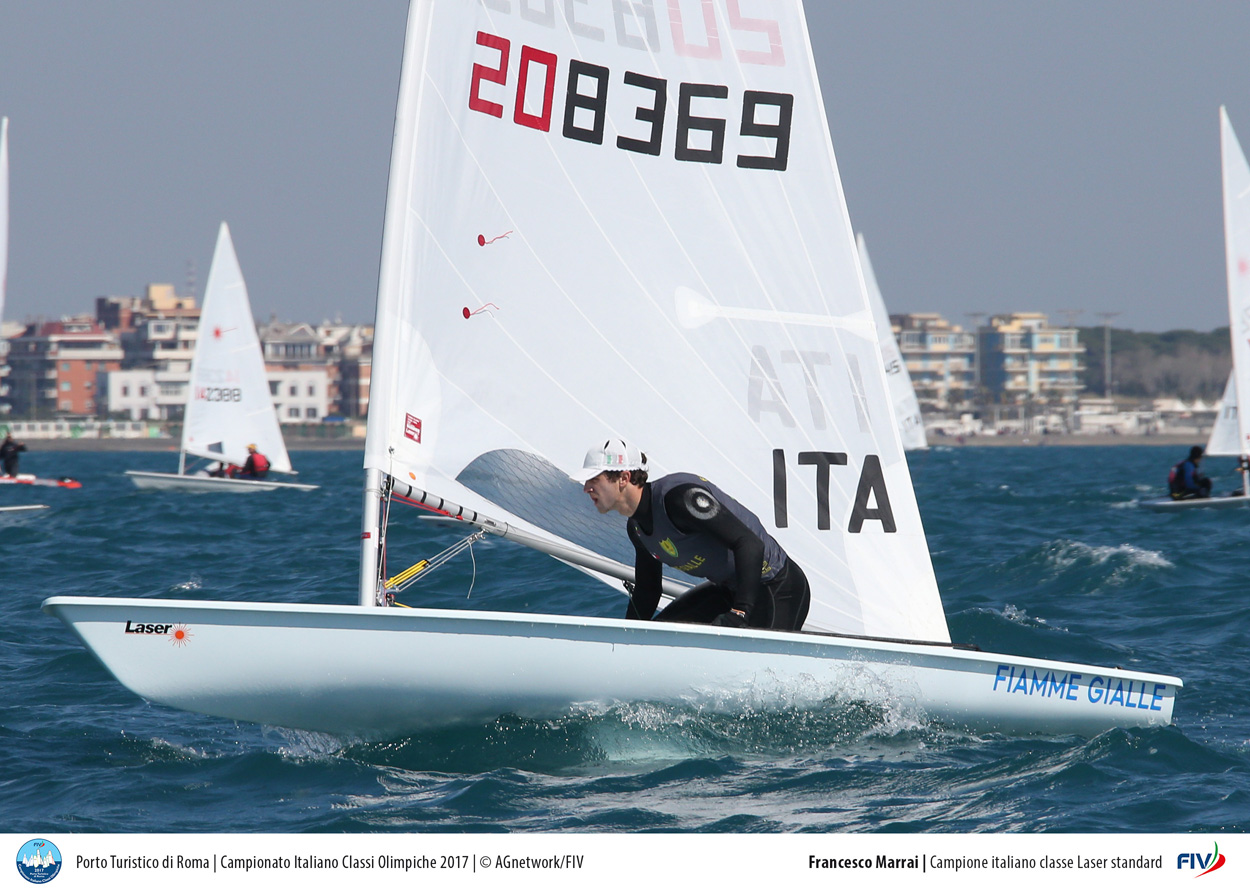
4,212
902,393
1237,258
563,189
229,405
1225,439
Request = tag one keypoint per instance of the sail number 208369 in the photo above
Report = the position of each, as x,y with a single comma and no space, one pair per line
764,116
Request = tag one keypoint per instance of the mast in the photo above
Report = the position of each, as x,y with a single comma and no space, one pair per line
391,292
370,538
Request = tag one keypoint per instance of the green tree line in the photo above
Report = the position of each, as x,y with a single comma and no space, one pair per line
1180,363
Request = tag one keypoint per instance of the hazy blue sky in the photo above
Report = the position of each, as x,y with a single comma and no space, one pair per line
996,155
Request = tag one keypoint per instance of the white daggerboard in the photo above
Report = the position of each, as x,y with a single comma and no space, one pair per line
902,392
625,221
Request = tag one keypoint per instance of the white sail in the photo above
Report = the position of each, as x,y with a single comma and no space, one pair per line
553,274
1237,259
4,212
229,405
902,394
629,222
1225,439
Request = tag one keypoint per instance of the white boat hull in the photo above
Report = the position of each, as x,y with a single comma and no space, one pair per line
15,514
374,672
1210,502
189,483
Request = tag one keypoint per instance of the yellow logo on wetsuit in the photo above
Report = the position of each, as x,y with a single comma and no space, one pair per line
667,546
692,565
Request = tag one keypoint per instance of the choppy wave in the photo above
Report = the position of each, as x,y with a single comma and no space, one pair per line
1030,556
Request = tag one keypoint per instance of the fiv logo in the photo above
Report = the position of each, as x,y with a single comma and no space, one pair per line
1207,862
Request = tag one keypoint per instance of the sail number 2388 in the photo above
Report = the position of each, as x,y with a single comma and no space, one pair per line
765,117
219,395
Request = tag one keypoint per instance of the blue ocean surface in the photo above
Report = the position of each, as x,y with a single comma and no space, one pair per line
1038,550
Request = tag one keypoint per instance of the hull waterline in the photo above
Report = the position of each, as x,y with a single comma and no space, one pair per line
1210,502
186,483
373,672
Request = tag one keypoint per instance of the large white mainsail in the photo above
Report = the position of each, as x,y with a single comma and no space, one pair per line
906,406
1236,181
4,213
629,222
229,405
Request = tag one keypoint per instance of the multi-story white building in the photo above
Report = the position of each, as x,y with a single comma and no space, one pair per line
1026,359
299,395
940,357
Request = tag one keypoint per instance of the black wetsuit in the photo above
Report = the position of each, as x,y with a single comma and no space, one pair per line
9,455
696,527
1185,481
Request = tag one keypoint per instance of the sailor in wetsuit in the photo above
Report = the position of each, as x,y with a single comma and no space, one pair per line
689,523
1185,481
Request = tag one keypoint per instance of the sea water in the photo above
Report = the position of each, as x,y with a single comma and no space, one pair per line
1038,551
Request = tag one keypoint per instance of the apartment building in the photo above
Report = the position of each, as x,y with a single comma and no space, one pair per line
54,367
1025,359
940,357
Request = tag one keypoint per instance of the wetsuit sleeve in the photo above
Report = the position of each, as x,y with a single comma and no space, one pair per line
692,509
648,578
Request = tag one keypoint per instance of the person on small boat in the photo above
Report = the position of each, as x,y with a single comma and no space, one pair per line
256,466
689,523
1185,481
10,451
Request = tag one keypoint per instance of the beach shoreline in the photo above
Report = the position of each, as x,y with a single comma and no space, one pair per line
170,445
297,444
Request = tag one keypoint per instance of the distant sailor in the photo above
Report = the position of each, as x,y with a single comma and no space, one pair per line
689,523
10,454
256,466
1185,481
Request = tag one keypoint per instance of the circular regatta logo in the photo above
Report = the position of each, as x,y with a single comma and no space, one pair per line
39,861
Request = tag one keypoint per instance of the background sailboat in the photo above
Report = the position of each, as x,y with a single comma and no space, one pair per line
4,212
228,402
1230,435
902,393
11,513
615,226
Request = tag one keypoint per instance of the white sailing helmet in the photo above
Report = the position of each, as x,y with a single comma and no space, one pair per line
612,455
